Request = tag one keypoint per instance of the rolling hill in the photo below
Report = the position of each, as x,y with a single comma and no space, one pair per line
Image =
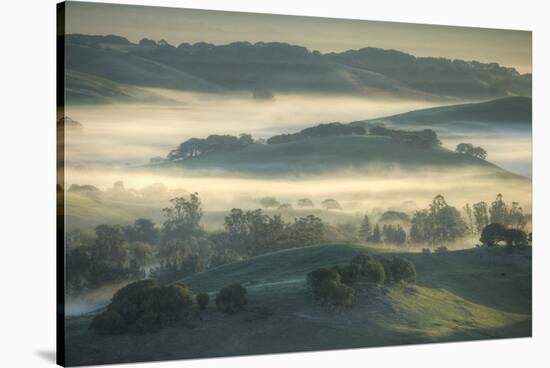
462,295
280,67
325,154
508,112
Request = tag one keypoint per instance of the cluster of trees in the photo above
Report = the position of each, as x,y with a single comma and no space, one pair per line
438,224
109,256
426,138
145,306
253,232
391,234
322,130
273,203
469,149
493,234
196,147
335,285
180,246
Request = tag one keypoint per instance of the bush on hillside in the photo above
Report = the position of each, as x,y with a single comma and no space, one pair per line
368,268
326,286
403,269
231,299
144,307
441,249
202,300
387,264
348,274
374,272
492,234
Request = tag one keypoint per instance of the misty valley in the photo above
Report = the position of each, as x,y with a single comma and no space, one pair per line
261,198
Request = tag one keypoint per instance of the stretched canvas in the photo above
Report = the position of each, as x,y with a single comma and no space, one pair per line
235,183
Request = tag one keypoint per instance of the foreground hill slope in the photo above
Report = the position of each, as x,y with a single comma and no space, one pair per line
461,295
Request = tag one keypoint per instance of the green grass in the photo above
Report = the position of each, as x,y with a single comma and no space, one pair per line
459,295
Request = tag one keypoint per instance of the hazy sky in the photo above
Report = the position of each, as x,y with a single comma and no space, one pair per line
508,48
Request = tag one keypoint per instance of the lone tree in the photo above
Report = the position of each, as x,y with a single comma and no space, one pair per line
305,202
269,202
469,149
202,300
492,234
231,299
144,307
365,230
182,218
331,204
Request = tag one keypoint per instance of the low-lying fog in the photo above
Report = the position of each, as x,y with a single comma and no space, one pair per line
147,193
131,133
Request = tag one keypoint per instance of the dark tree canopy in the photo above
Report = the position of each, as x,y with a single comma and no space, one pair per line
232,299
469,149
492,234
144,307
182,219
305,202
394,216
365,229
426,138
198,147
269,202
439,223
331,204
322,130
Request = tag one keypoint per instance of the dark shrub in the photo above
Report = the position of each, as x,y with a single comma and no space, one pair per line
492,234
374,272
426,250
360,260
341,294
202,300
403,269
231,299
368,268
144,307
441,249
515,237
326,286
348,274
387,264
108,323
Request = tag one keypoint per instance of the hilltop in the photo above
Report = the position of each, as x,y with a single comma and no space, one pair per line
325,154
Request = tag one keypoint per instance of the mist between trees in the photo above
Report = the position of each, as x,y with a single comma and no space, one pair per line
179,245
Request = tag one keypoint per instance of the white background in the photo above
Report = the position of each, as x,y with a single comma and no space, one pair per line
27,182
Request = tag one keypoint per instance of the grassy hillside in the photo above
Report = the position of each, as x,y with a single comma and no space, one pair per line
281,67
82,88
318,155
462,295
499,113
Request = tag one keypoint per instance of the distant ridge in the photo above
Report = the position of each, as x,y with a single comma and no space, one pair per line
280,67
